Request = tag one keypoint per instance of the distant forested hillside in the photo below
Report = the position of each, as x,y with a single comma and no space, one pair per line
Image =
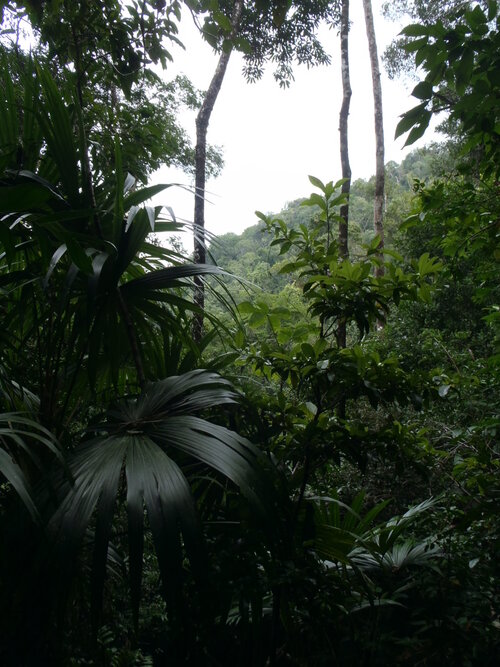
250,256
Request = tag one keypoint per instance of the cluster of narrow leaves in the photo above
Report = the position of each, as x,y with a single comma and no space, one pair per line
94,313
461,63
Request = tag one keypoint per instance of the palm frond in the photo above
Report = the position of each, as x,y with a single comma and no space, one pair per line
20,439
354,539
143,444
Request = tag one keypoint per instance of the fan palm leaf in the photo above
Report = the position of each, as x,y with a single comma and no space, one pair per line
144,445
354,539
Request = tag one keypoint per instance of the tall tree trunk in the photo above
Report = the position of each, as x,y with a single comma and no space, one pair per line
346,167
344,144
202,120
378,210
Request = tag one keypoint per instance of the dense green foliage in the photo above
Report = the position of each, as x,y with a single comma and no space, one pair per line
274,495
272,31
108,52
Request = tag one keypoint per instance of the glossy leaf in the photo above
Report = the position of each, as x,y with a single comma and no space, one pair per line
142,438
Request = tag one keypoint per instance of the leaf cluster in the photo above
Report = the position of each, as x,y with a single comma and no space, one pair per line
461,66
276,31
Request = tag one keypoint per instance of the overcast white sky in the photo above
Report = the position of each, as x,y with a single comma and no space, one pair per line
273,138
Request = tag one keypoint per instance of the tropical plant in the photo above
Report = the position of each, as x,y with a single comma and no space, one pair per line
93,314
460,62
138,441
20,438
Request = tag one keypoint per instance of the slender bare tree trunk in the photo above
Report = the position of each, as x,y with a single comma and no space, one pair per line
378,210
202,120
343,125
344,144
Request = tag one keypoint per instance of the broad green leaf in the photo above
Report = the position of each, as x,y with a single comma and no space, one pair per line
317,183
222,20
243,45
315,200
257,319
422,90
476,19
464,69
419,130
414,30
416,44
246,307
409,119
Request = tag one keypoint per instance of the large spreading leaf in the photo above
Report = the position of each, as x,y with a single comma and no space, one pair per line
144,445
343,534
